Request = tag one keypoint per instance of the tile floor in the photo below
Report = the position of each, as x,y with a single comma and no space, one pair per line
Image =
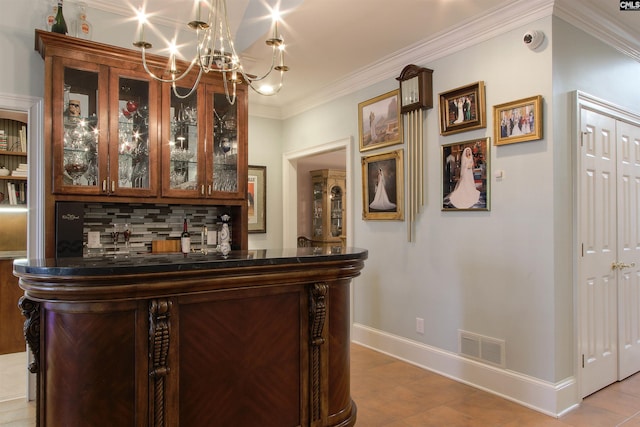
392,393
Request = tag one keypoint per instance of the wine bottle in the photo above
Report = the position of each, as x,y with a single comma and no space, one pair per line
185,238
59,26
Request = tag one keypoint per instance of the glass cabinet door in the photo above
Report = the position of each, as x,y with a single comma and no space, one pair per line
318,216
183,165
132,167
224,174
77,141
336,211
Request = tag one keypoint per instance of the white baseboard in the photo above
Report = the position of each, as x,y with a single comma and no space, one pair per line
553,399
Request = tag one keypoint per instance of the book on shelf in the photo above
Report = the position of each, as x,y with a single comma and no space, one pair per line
22,139
11,189
21,170
17,194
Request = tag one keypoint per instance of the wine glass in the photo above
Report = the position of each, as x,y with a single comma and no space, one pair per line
126,232
115,235
76,164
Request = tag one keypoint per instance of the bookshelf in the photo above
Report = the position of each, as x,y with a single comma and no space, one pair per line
13,156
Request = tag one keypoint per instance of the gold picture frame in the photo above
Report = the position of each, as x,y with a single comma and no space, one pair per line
466,180
463,109
518,121
383,186
382,115
257,199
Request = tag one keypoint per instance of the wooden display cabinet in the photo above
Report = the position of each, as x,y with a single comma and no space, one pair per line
329,198
122,145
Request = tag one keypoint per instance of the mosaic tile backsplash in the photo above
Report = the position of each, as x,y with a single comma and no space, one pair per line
150,222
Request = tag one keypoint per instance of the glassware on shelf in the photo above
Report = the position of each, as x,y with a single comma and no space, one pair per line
76,164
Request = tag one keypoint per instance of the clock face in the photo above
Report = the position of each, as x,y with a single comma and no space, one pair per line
410,91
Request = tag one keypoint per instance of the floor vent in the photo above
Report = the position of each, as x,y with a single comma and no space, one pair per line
481,348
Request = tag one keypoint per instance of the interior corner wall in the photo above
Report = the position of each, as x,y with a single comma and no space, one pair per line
490,273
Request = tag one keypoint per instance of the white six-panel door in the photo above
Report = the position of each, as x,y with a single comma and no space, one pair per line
608,227
597,283
628,267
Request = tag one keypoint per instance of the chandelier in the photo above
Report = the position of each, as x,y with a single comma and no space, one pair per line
215,52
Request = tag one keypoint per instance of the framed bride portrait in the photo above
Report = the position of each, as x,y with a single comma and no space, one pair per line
383,186
465,168
463,109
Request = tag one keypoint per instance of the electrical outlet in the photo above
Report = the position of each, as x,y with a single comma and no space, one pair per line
419,325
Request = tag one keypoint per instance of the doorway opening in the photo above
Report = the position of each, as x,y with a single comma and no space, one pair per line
296,167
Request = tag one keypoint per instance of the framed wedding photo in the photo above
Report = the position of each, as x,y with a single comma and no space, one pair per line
257,199
518,121
383,186
379,122
465,169
463,109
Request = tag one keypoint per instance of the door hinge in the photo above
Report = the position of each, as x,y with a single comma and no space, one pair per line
583,361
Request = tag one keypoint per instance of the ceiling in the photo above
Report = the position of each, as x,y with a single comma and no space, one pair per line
334,47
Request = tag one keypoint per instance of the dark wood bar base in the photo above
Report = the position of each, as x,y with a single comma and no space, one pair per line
252,341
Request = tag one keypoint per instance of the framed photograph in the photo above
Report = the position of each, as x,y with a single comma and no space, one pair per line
463,109
465,168
383,186
518,121
257,199
379,121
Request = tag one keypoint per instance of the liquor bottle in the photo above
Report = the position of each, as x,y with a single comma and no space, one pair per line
83,27
59,26
50,17
185,238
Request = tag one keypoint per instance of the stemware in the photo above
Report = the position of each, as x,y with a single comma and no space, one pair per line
76,164
115,235
126,232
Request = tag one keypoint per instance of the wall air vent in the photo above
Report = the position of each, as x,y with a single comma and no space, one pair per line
481,348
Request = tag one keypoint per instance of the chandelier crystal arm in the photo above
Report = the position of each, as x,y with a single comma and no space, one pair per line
160,79
215,51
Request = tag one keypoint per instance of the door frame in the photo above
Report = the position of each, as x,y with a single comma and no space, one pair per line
290,187
34,107
582,100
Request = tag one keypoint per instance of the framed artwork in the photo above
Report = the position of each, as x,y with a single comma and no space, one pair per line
383,186
257,199
379,122
463,109
465,168
518,121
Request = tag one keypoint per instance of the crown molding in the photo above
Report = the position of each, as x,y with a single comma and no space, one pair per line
494,22
600,25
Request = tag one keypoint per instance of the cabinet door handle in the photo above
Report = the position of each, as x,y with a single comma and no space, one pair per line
202,190
113,186
104,185
209,189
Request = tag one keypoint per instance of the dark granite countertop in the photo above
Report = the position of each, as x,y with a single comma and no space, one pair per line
160,263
